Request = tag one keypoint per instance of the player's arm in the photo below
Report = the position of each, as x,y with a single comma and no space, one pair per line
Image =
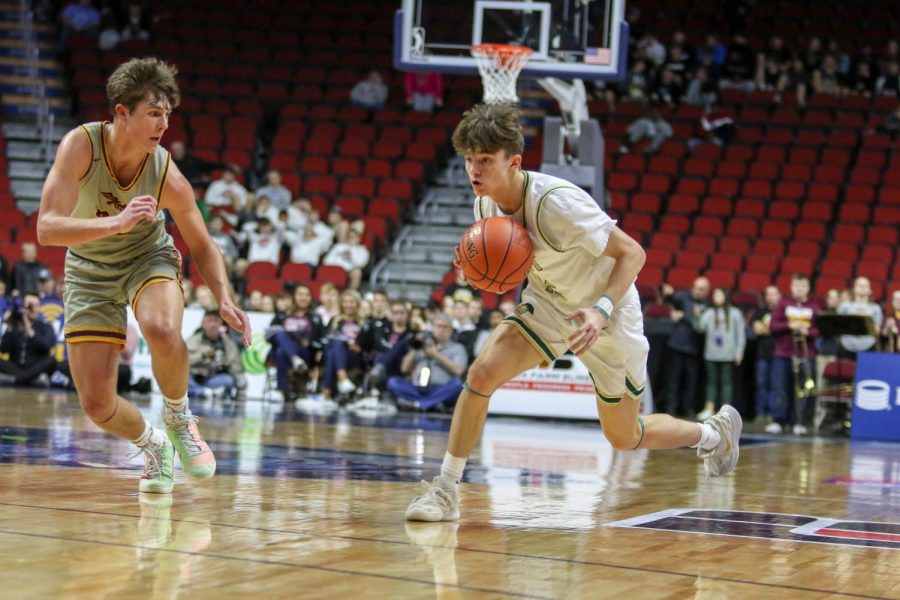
178,198
629,258
55,225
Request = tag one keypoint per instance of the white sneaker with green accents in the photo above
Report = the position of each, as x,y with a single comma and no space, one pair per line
722,459
438,503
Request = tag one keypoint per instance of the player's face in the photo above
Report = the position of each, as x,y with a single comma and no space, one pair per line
147,123
491,174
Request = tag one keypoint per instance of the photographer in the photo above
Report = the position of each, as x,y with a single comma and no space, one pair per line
28,342
434,366
215,360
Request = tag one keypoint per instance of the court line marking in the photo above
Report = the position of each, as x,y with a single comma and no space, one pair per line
278,563
473,550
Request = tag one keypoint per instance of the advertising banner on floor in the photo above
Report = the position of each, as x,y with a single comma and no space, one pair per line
876,397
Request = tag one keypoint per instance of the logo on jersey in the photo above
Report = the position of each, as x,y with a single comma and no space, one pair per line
525,309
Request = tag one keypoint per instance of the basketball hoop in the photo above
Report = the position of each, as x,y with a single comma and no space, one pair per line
499,65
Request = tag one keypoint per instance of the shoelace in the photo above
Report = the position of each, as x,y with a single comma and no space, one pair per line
152,468
441,497
186,435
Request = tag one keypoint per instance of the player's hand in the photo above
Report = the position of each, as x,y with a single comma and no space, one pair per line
237,319
592,323
141,208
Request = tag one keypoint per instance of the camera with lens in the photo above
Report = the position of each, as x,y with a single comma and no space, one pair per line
15,315
421,339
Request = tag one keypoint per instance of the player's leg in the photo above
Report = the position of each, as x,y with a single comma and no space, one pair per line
159,307
94,367
506,354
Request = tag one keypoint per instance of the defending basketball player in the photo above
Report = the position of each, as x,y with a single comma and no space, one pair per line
103,199
580,296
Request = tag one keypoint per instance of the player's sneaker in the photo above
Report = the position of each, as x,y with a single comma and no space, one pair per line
437,504
722,459
158,468
197,460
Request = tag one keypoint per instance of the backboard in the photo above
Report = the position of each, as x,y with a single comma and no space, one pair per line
586,39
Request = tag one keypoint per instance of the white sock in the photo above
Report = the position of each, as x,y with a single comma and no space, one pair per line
709,437
176,404
150,436
452,469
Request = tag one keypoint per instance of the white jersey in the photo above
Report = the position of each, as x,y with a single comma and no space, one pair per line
569,232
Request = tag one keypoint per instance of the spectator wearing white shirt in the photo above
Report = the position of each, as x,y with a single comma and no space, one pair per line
227,192
323,231
352,256
298,213
306,246
277,193
371,92
265,210
265,241
222,238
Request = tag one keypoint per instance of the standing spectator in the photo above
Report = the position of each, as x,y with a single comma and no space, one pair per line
723,325
891,328
424,91
684,348
370,92
651,126
793,326
295,338
432,368
275,191
352,256
765,356
227,192
329,306
24,276
861,305
264,241
28,342
216,369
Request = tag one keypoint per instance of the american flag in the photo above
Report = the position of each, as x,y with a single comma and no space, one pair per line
597,56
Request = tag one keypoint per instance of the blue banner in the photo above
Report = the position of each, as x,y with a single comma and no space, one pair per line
876,397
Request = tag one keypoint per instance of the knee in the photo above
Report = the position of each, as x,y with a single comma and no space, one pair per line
98,407
481,379
162,332
624,440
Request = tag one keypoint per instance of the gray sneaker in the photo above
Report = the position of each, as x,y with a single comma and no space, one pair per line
722,459
436,504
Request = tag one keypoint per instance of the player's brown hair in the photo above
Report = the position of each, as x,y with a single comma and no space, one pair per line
133,81
488,128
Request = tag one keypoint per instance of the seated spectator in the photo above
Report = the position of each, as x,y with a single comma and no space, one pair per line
222,238
352,256
371,92
861,304
459,290
432,368
204,299
135,27
329,302
740,66
298,213
227,192
27,341
424,91
24,276
701,91
726,339
826,79
651,126
47,289
195,169
264,241
668,89
78,17
891,125
296,338
342,351
388,346
216,370
795,79
861,81
461,319
276,192
713,54
306,246
339,225
891,328
716,126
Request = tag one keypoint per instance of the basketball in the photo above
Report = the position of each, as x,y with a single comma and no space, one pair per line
495,254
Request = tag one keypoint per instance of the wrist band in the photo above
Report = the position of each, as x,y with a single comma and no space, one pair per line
605,306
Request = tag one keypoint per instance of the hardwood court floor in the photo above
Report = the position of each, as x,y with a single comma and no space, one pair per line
312,507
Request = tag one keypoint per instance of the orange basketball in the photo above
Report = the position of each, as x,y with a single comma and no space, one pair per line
495,254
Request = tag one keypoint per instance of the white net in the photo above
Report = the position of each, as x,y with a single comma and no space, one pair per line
499,65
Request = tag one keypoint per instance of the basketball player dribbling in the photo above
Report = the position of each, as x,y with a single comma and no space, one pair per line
580,296
103,199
